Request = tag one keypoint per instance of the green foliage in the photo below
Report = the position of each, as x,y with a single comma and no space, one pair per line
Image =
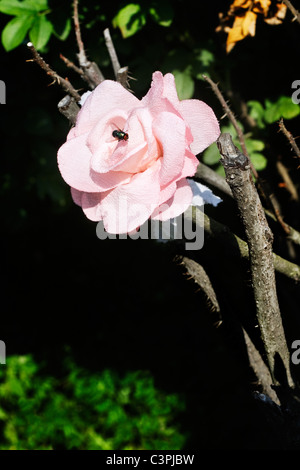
83,410
188,68
273,111
185,84
162,13
283,107
30,18
132,17
211,155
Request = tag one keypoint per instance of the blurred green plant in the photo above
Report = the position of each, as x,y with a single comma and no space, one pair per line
84,411
211,156
283,107
132,17
30,18
262,115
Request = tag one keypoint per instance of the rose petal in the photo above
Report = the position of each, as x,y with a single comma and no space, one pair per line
107,96
111,154
128,206
155,92
101,134
202,121
170,91
76,196
167,192
190,164
169,129
90,203
177,204
74,164
74,159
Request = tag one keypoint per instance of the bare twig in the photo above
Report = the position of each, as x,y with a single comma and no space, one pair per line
259,239
289,137
71,65
112,52
93,74
232,119
266,194
277,212
235,246
212,178
65,84
260,369
241,105
121,74
122,77
81,56
288,183
197,272
292,10
69,108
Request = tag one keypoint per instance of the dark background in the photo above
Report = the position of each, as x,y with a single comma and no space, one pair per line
126,304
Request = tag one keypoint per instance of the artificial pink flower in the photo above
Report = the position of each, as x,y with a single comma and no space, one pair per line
124,181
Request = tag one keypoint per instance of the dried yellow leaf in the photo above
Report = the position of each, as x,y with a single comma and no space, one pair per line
261,6
249,23
241,4
279,15
242,27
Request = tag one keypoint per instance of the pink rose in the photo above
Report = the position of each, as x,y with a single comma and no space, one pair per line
124,182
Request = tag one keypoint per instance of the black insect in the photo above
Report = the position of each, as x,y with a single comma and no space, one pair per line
120,135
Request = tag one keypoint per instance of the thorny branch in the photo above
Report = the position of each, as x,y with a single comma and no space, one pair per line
289,137
198,274
65,84
71,65
81,56
259,239
260,369
235,246
231,117
287,180
93,74
212,178
266,194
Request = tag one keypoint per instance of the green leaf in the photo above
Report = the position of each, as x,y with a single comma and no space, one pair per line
259,161
220,170
283,107
15,8
287,108
231,130
162,13
256,112
272,114
206,57
184,84
65,31
38,5
129,19
15,31
254,145
211,156
40,32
